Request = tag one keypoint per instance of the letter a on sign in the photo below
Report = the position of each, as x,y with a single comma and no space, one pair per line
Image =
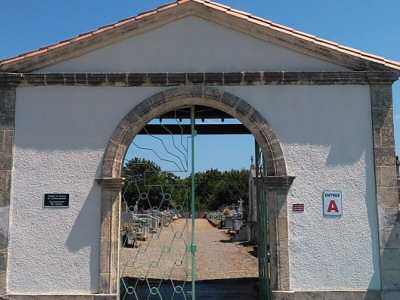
332,206
332,203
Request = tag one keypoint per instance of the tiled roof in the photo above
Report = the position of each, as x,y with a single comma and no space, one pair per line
288,37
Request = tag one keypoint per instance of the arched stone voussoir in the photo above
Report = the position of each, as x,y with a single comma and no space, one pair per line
187,91
187,95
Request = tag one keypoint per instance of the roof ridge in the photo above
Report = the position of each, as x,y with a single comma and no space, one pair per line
319,42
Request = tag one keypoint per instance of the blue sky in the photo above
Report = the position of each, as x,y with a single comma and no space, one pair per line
369,25
173,153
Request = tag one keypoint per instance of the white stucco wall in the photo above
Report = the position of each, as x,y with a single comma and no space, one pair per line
60,137
192,45
62,132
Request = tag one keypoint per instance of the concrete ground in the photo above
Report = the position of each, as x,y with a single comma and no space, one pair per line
160,268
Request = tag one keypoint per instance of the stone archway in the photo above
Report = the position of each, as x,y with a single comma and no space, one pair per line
277,180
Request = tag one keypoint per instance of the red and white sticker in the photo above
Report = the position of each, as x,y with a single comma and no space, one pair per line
332,203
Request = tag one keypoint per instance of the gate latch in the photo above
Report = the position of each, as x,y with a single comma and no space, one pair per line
192,248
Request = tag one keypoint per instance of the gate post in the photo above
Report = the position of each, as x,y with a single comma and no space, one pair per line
109,234
277,189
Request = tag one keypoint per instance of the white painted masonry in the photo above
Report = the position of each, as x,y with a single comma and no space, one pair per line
60,137
61,134
192,45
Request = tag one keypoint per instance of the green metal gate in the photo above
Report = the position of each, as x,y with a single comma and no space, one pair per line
263,249
157,250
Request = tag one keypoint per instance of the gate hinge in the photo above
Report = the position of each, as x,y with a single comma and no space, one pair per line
192,248
194,133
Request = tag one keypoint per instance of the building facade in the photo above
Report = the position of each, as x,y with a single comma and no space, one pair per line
322,114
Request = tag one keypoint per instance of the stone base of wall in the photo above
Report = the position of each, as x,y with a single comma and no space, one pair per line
336,295
60,297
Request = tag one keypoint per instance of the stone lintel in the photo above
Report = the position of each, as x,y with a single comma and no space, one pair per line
111,183
277,182
202,78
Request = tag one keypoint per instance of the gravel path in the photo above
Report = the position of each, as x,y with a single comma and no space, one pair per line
163,255
217,258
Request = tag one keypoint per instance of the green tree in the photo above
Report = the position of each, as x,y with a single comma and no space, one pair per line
148,184
215,188
232,187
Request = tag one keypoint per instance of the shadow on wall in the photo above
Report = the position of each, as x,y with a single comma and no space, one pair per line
340,154
336,117
85,233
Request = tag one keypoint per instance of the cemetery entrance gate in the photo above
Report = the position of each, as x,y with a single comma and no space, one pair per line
157,229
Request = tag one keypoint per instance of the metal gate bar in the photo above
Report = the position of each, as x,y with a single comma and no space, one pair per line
262,228
154,250
193,245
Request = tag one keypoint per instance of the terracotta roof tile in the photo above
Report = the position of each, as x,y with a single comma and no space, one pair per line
126,21
214,6
35,53
28,53
240,12
303,34
220,5
373,56
44,47
349,49
283,27
183,1
236,14
167,6
304,37
13,59
198,1
82,37
145,14
104,28
58,45
290,32
327,45
260,19
326,42
261,23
